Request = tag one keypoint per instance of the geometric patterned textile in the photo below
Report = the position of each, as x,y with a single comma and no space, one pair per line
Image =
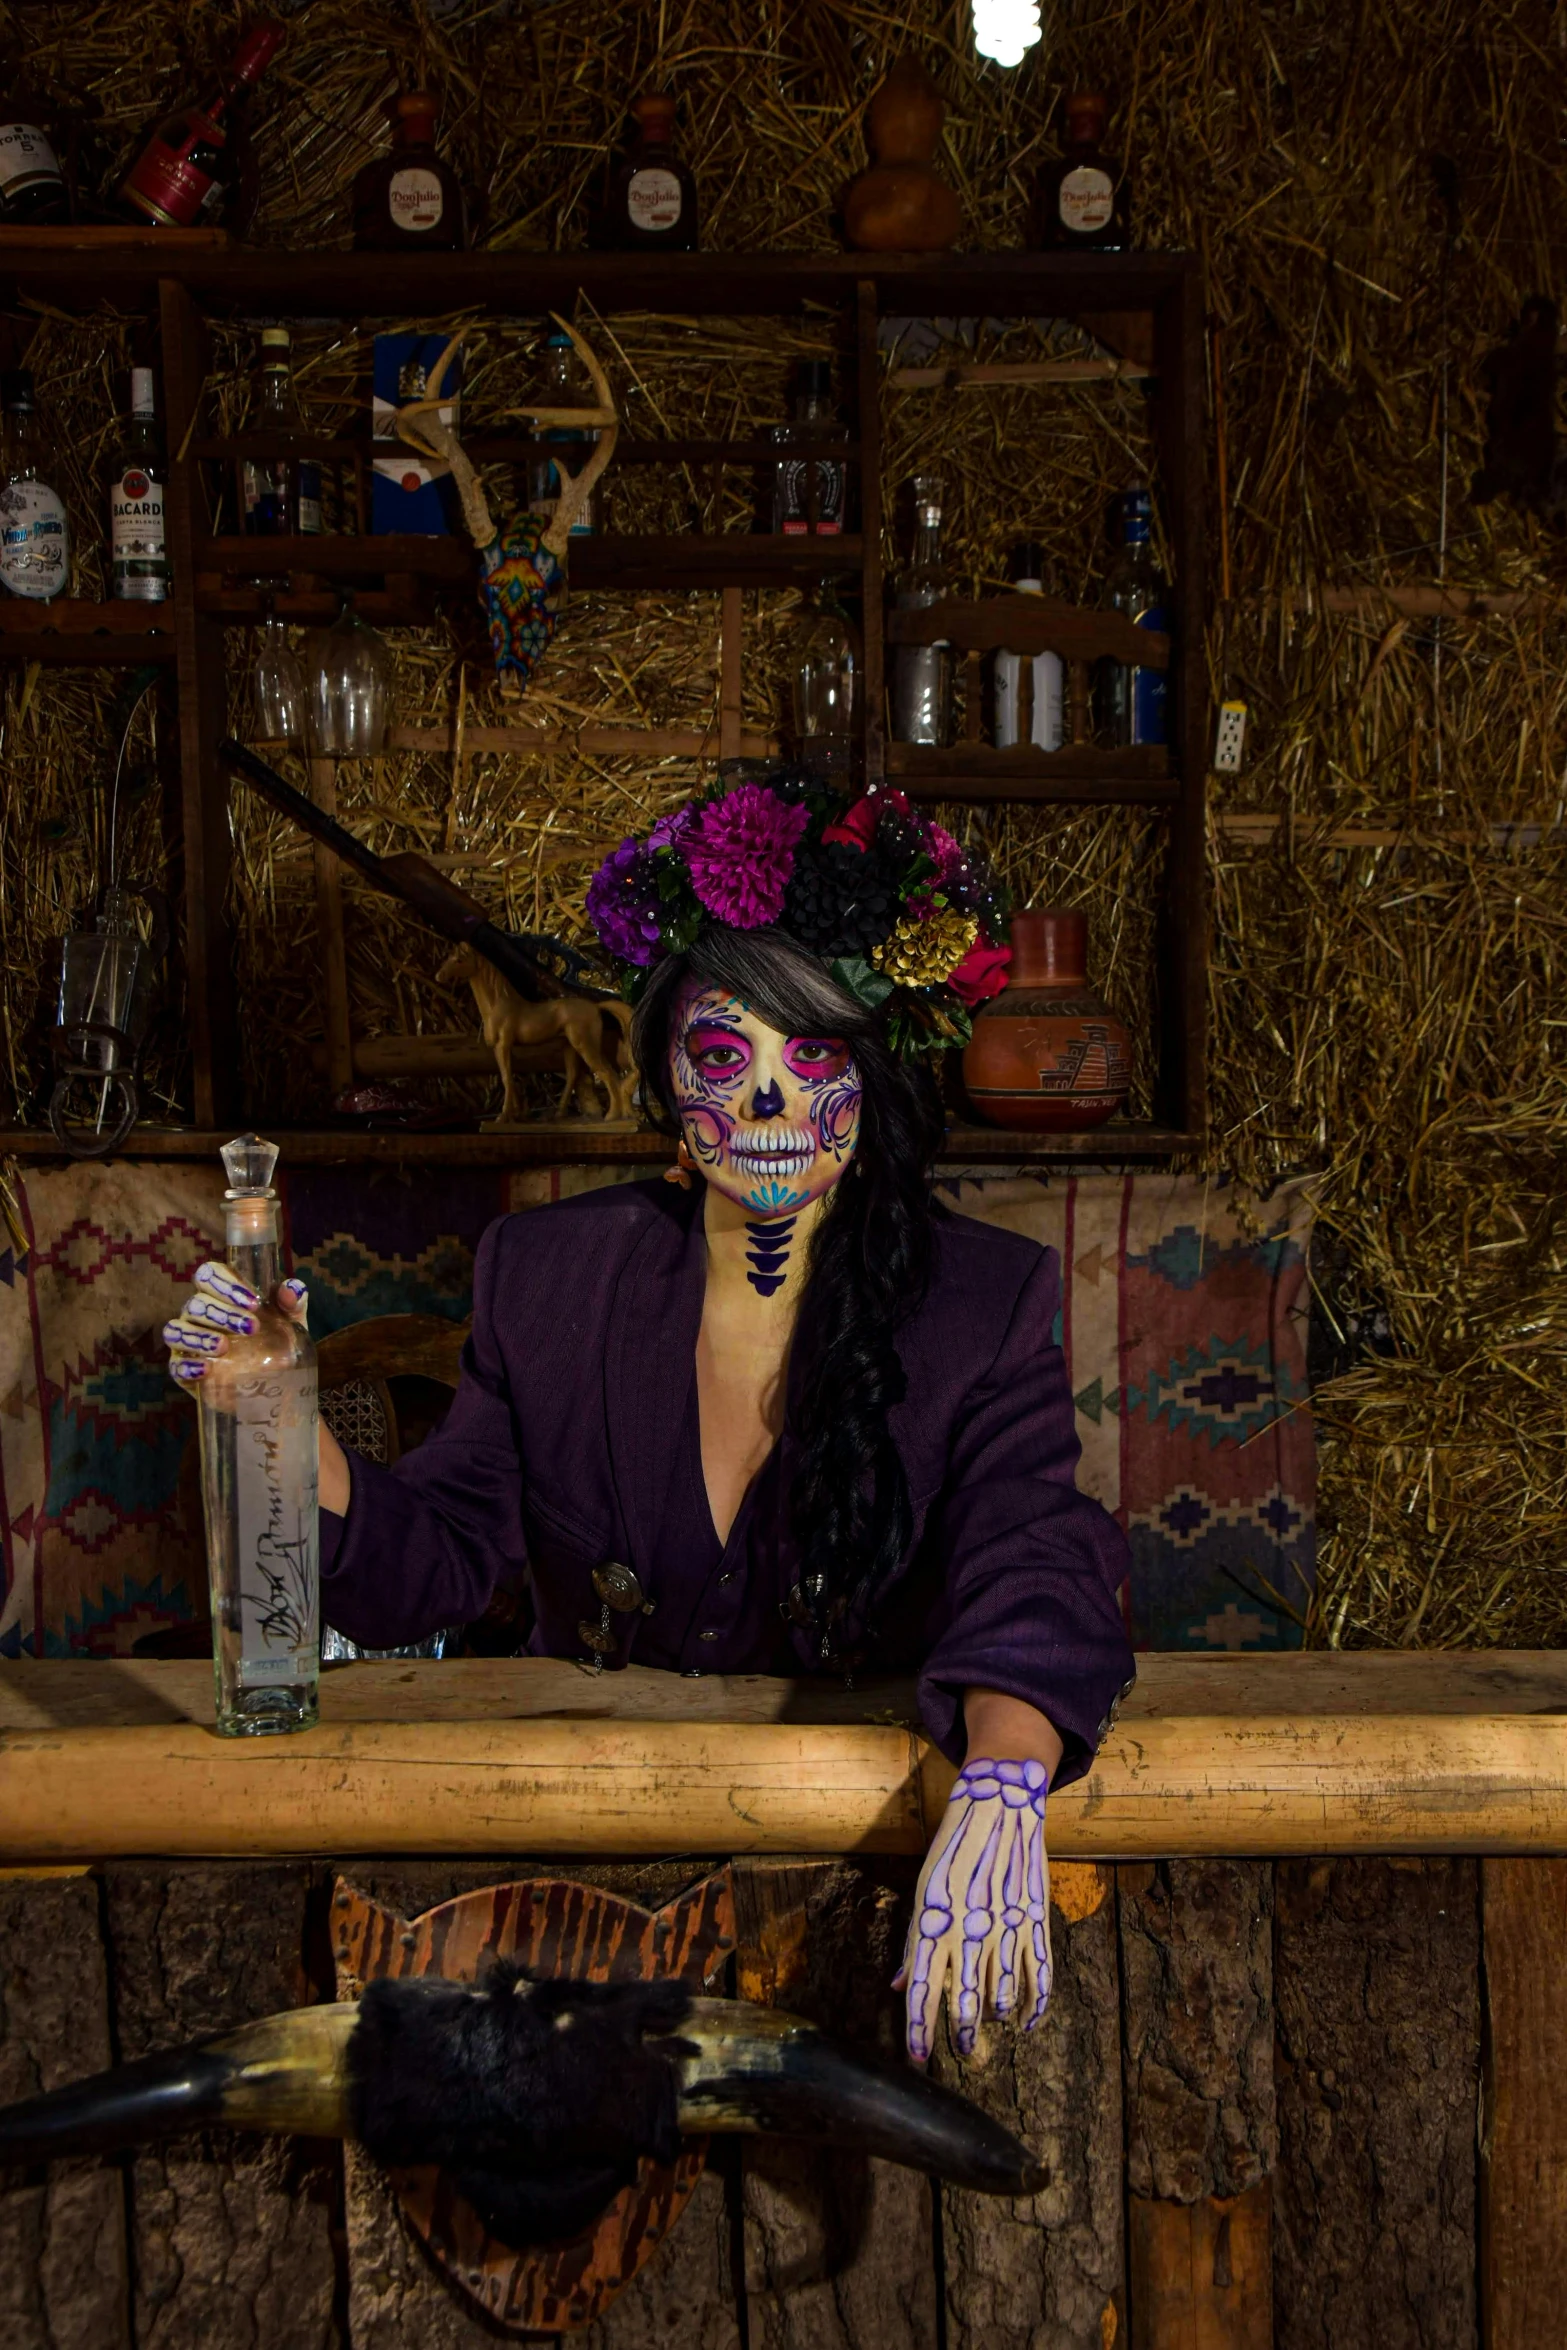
1184,1325
1183,1322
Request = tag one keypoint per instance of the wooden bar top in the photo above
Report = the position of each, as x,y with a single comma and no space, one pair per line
1301,1753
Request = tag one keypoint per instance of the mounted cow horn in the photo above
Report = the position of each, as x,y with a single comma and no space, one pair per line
539,2098
522,582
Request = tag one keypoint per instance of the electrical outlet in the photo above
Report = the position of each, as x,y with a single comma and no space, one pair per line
1231,738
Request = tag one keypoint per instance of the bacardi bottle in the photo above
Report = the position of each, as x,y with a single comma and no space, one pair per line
259,1445
35,538
190,172
138,554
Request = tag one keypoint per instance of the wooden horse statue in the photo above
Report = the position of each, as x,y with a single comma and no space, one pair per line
522,575
506,1019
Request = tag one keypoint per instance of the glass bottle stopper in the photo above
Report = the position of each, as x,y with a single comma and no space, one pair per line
248,1162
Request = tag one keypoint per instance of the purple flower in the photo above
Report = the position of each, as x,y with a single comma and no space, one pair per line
623,903
669,831
740,851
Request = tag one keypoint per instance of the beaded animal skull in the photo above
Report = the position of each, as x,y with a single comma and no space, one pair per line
522,567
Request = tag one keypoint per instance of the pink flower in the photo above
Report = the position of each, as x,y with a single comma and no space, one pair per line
856,827
944,850
981,974
740,851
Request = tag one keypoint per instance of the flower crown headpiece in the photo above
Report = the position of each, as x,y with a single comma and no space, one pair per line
906,920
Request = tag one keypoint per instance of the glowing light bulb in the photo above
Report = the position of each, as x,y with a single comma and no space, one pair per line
1005,29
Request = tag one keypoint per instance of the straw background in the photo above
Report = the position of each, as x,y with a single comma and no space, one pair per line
1374,190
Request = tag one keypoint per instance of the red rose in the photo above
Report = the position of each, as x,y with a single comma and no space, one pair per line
856,828
981,974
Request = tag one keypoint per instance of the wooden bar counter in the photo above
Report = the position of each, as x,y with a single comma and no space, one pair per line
1262,1755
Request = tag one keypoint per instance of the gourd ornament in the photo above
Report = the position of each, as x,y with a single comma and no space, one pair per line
522,565
902,204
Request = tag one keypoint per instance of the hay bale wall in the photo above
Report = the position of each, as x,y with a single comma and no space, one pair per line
1374,190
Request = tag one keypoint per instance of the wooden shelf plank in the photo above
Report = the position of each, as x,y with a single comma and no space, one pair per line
69,629
1258,1754
1079,774
731,559
343,284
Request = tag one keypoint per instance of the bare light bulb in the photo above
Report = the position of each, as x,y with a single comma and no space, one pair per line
1005,29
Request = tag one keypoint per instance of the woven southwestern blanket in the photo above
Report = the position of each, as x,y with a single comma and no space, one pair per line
1183,1321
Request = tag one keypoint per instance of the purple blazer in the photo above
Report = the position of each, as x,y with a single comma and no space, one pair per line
573,1439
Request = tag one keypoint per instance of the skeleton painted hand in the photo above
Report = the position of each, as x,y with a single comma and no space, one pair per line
220,1307
982,1909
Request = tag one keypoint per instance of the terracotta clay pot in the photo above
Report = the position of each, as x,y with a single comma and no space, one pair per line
1046,1055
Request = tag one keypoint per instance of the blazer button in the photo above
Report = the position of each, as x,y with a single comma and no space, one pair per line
707,1636
591,1636
619,1588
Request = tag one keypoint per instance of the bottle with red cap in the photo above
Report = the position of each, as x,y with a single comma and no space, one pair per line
650,199
411,200
192,172
1083,200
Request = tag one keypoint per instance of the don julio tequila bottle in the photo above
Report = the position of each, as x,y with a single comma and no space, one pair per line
258,1480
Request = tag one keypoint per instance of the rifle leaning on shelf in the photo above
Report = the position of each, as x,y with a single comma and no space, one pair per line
534,963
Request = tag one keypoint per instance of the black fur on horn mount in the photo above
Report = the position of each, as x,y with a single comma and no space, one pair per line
539,2098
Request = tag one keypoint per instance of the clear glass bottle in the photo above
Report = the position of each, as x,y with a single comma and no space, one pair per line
565,385
138,549
282,492
1026,692
259,1451
808,475
922,674
35,537
1133,700
825,685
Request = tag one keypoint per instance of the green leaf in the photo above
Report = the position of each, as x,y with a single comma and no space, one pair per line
868,986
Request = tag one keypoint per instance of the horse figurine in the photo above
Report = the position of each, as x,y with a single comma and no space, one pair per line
522,566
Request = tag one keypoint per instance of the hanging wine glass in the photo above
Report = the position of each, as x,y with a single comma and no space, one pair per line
348,689
277,686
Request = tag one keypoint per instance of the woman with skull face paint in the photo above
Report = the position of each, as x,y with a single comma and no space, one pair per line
783,1414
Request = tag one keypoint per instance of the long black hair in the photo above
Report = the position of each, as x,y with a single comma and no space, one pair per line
869,1265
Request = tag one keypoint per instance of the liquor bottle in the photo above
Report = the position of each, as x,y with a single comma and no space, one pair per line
1083,201
922,674
650,200
809,486
35,537
1026,690
565,385
1133,698
191,171
282,492
257,1416
410,201
825,661
139,562
32,184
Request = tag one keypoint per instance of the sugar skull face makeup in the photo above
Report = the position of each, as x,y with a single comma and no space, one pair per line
771,1120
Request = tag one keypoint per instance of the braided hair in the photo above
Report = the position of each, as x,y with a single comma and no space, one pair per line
868,1270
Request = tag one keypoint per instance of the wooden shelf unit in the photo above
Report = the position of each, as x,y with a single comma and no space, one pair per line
1154,299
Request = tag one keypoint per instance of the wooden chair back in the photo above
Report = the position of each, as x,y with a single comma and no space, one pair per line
366,1372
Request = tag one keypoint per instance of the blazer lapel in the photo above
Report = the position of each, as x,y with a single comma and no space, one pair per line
650,1365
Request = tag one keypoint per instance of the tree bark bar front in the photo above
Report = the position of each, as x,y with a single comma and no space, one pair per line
1257,1755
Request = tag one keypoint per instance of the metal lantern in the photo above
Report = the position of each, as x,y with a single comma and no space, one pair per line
348,689
101,987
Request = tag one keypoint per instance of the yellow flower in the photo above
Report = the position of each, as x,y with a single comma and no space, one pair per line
922,954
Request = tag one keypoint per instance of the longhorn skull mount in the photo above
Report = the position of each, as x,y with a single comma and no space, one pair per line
522,582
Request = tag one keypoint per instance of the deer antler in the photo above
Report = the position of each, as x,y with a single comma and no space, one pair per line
433,437
578,488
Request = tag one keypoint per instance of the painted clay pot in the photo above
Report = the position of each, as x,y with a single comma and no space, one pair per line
1046,1055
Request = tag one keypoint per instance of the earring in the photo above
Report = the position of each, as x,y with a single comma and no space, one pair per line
684,1167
